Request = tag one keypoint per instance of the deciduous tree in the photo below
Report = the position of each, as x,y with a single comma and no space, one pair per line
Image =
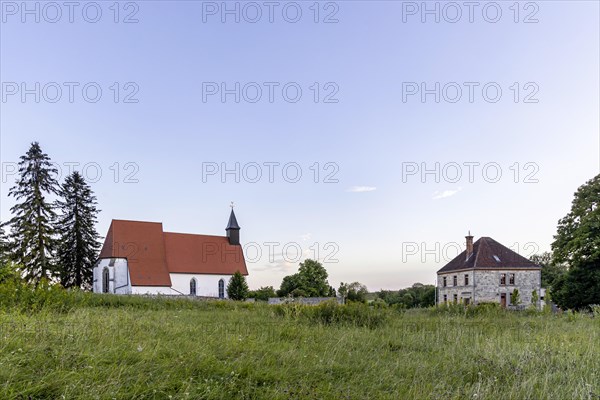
310,281
577,244
354,291
551,270
4,246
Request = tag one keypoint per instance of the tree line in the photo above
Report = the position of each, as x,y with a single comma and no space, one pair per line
50,240
311,281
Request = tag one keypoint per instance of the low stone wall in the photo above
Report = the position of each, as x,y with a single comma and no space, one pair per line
179,296
311,301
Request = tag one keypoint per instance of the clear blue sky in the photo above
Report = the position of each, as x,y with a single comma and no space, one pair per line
372,214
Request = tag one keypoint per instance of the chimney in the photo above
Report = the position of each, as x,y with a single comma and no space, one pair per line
469,245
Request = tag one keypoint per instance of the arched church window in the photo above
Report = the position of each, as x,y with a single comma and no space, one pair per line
105,280
193,287
221,289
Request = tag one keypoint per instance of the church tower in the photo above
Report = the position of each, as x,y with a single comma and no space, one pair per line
233,229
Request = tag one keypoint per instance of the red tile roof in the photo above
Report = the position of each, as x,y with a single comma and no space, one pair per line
489,254
152,253
203,254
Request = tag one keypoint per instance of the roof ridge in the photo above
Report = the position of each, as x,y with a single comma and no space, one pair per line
132,220
481,241
195,234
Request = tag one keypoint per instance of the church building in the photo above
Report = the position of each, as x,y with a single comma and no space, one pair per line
141,258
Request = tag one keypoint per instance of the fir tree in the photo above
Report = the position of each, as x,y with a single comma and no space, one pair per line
78,244
237,289
32,234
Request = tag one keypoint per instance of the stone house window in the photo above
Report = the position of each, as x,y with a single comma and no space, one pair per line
455,280
445,297
455,298
503,279
511,279
444,282
466,279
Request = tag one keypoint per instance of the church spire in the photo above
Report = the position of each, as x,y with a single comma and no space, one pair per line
233,229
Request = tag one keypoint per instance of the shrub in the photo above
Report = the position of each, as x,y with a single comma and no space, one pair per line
379,303
484,309
263,293
534,299
449,308
515,297
332,313
480,309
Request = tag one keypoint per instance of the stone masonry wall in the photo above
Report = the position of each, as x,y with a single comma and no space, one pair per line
462,290
488,288
484,286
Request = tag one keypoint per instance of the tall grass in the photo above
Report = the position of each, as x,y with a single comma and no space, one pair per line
105,347
332,313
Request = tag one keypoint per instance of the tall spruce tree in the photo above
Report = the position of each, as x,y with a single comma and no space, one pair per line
32,233
78,239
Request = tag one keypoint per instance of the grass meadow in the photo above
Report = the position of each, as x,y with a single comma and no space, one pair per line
125,348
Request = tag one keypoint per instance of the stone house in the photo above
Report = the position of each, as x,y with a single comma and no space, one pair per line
488,271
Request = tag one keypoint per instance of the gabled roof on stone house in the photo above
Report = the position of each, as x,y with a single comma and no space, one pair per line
489,254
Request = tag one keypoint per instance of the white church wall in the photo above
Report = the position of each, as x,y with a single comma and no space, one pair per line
153,290
119,281
206,285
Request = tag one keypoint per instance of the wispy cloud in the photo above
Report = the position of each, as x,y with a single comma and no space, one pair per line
361,189
446,193
286,263
278,265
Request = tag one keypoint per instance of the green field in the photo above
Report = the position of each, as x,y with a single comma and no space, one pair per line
161,349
